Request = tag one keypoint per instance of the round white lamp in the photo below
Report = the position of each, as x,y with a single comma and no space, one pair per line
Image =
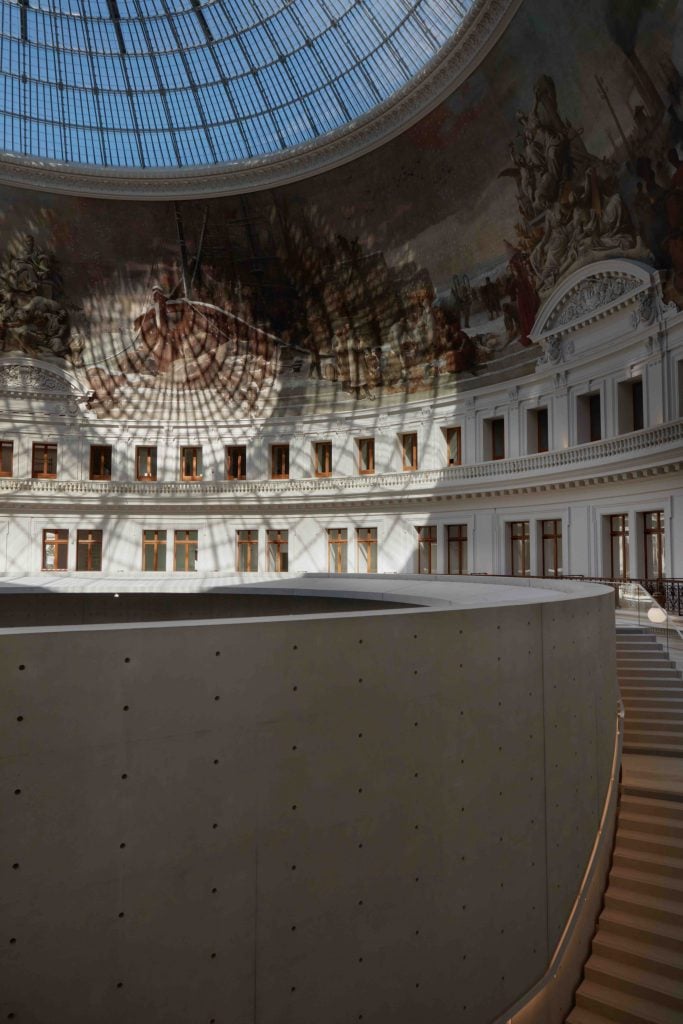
657,614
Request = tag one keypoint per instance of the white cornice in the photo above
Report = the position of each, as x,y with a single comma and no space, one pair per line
476,36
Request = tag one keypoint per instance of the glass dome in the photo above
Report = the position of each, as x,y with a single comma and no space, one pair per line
182,83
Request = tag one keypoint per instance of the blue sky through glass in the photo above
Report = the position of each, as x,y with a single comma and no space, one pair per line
178,83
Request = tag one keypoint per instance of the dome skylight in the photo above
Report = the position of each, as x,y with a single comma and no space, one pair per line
182,83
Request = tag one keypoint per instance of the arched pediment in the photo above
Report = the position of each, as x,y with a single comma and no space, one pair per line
590,293
36,379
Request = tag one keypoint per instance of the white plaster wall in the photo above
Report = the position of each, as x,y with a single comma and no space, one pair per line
377,816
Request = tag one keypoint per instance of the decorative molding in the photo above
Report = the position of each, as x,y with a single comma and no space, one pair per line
33,381
593,294
472,41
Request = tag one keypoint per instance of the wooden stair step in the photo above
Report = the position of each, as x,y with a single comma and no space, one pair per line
580,1015
655,824
623,1007
639,860
643,984
666,846
665,910
639,953
660,806
647,881
637,927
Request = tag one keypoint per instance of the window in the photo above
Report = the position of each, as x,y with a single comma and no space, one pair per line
100,462
366,455
279,462
453,446
409,451
426,549
235,462
630,405
456,543
366,549
191,462
588,418
278,550
537,431
337,551
551,547
154,550
494,438
322,454
146,462
185,548
618,537
247,550
6,458
89,550
653,544
519,549
55,549
44,462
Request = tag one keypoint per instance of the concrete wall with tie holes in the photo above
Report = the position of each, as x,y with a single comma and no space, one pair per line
381,816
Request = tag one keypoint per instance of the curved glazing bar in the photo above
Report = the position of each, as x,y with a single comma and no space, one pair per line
183,83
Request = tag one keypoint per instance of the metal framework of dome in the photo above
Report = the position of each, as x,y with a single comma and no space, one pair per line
183,83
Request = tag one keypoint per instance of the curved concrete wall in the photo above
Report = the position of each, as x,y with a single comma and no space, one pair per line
365,816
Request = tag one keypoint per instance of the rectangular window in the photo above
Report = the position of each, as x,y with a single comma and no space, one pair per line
191,462
618,536
146,462
185,550
537,431
89,550
653,545
279,462
247,550
366,549
520,555
44,462
453,446
100,462
409,451
630,405
456,540
235,462
551,547
55,549
154,550
426,549
337,551
366,455
588,418
278,550
322,455
6,458
497,438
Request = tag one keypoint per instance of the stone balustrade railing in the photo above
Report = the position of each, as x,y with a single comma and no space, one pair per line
503,473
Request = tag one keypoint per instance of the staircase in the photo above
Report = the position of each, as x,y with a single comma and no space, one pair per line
634,974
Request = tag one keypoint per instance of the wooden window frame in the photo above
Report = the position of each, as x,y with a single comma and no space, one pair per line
46,449
61,543
409,451
157,544
248,543
427,536
370,443
185,545
519,535
279,459
236,459
322,455
366,536
100,453
619,532
456,534
276,540
338,550
88,541
551,530
151,450
656,531
454,433
6,446
196,474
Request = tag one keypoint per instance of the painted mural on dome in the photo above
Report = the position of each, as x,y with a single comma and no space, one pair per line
417,269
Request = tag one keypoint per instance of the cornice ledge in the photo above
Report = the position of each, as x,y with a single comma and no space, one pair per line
472,41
